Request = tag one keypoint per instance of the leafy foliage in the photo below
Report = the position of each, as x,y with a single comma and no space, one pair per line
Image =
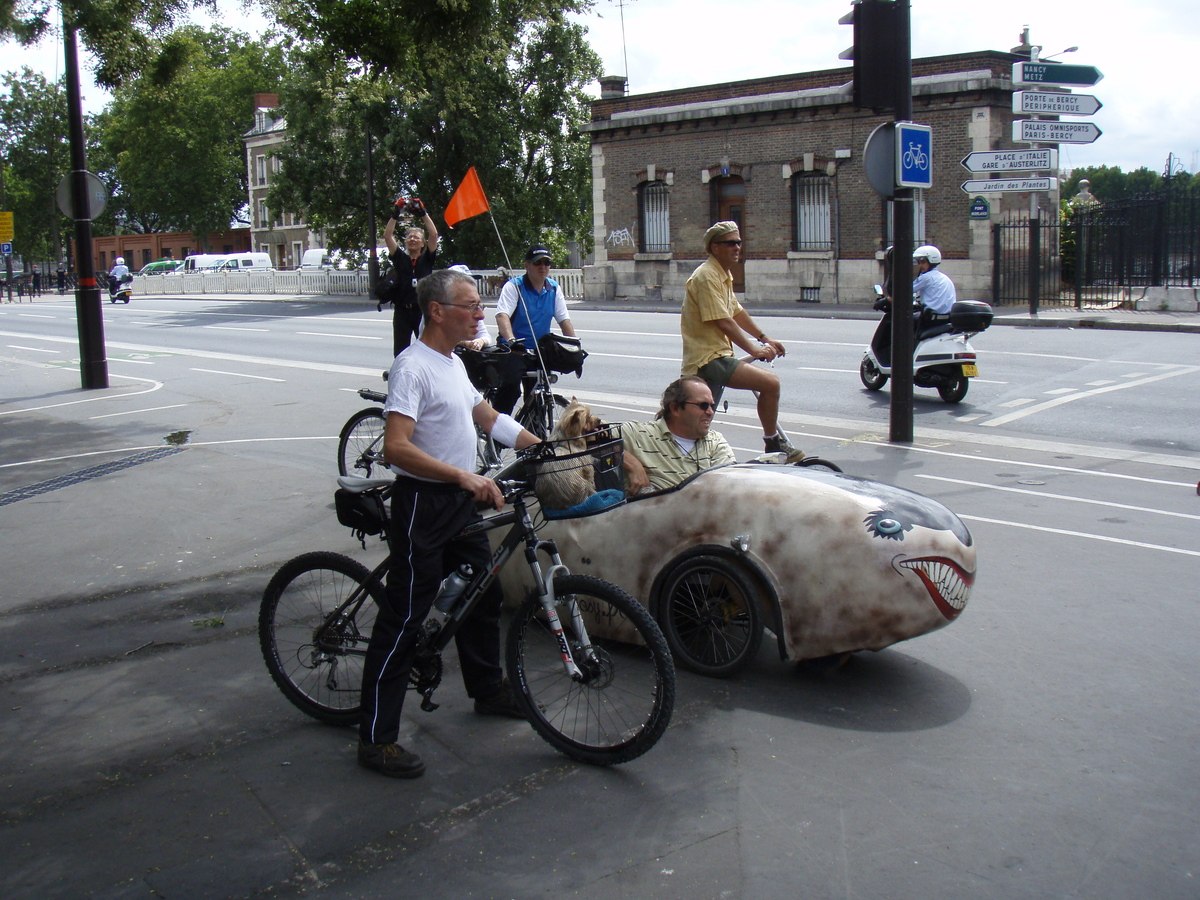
492,91
175,131
33,129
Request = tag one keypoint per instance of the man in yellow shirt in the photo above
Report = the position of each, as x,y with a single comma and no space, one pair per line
712,322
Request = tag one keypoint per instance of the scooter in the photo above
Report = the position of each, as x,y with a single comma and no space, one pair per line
120,290
943,357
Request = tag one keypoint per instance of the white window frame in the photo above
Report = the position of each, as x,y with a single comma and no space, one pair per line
812,212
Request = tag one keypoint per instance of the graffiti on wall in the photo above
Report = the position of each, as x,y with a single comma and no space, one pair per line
620,237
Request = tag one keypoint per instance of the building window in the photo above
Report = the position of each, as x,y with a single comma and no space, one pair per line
654,217
264,220
262,169
810,194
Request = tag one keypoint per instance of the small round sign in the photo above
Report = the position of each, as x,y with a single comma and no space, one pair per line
97,197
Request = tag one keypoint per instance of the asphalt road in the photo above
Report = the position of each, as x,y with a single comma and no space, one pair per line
1042,745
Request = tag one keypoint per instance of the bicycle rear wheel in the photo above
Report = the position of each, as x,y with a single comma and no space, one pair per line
624,703
360,445
313,648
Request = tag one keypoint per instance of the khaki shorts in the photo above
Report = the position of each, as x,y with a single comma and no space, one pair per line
717,373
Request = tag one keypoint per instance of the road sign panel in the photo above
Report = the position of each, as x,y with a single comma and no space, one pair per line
6,226
1055,73
1045,131
1010,160
914,155
1003,185
1047,103
6,249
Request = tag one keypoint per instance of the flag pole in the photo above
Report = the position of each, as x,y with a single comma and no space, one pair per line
503,249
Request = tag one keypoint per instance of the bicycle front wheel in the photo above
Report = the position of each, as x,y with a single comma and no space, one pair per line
360,445
624,702
313,643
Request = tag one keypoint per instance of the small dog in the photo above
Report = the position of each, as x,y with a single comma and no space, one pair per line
563,484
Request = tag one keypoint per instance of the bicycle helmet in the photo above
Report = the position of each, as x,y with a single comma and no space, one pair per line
120,260
929,252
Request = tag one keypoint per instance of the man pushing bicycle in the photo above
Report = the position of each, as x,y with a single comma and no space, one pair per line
429,437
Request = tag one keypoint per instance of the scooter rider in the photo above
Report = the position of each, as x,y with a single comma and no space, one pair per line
118,275
931,285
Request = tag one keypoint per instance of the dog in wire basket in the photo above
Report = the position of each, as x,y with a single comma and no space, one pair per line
579,471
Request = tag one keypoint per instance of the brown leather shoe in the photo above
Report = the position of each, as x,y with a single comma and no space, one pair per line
390,759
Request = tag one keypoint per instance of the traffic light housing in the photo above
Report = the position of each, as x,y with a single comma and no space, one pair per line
875,52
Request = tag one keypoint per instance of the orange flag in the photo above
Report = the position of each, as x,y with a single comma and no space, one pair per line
467,201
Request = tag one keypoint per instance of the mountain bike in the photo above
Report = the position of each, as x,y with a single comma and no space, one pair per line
588,663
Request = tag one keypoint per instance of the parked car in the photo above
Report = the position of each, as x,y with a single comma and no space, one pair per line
160,267
828,563
316,258
203,262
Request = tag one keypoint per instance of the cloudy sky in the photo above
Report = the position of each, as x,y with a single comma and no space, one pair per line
1150,93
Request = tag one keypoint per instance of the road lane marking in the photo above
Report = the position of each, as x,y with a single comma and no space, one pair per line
1051,496
32,349
355,337
236,328
1137,380
1142,545
239,375
35,316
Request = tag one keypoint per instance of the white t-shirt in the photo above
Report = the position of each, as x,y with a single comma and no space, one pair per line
433,390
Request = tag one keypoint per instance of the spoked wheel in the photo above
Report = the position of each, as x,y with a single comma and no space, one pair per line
870,375
623,704
316,663
955,390
818,463
360,445
709,615
541,412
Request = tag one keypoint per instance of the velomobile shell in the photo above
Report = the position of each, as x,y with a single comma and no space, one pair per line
852,564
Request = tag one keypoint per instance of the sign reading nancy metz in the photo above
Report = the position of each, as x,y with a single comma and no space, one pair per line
1055,73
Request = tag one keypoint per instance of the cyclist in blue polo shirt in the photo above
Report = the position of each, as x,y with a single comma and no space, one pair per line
527,306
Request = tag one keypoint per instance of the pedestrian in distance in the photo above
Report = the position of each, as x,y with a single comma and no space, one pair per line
411,262
429,439
713,322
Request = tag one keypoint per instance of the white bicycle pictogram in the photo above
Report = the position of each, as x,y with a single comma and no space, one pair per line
915,157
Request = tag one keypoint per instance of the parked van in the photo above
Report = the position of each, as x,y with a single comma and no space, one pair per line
242,262
316,258
203,262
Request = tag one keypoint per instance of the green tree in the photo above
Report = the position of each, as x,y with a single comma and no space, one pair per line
1109,182
513,113
175,131
33,129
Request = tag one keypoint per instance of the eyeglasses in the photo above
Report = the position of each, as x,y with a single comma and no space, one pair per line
473,307
703,404
733,243
541,262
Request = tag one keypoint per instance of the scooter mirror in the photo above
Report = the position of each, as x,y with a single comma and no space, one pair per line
879,290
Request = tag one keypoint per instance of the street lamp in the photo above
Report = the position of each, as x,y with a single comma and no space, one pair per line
1036,53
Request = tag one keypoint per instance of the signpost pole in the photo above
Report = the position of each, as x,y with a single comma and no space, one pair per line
901,410
93,361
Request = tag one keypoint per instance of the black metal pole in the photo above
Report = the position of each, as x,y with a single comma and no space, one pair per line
1035,264
93,361
373,260
902,229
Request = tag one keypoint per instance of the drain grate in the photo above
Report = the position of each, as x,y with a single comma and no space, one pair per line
62,481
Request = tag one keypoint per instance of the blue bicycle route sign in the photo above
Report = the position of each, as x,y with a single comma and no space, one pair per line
914,155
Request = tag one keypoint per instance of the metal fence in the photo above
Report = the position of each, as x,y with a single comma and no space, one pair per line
1104,254
320,282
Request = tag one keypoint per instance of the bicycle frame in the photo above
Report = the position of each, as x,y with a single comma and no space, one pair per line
433,640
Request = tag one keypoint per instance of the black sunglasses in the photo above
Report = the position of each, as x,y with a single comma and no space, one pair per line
734,243
703,404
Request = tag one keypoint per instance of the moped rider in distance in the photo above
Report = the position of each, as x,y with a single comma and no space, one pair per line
120,282
943,357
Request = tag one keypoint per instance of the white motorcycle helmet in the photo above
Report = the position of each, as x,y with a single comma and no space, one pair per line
929,252
120,260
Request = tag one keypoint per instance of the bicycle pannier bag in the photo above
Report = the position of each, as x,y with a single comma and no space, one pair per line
562,353
361,512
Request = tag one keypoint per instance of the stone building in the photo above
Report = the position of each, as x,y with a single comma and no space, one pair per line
783,156
285,236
